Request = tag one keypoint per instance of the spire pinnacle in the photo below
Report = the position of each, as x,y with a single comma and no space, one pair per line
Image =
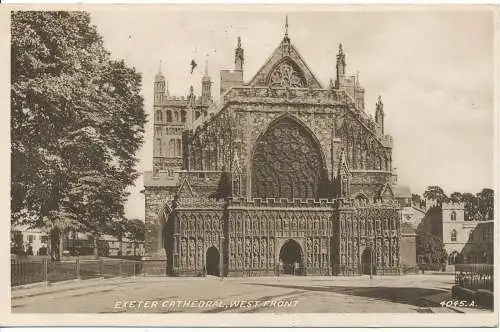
239,42
286,26
159,76
341,50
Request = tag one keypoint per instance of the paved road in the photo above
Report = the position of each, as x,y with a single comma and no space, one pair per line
383,294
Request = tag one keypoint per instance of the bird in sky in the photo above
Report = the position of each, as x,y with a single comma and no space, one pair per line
193,65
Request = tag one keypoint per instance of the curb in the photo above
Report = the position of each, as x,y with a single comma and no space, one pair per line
79,284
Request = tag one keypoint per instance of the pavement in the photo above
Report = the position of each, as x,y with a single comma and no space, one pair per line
283,294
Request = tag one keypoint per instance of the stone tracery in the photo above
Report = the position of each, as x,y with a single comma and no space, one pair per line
286,76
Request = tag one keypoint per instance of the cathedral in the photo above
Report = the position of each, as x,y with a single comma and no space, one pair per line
281,175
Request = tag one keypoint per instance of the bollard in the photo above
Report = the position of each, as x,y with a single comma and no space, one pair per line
101,268
77,262
45,274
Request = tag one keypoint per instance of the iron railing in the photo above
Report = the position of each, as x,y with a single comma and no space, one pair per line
25,271
474,276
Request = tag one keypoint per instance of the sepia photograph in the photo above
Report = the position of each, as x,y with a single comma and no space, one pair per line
253,160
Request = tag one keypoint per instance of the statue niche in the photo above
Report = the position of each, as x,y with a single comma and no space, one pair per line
287,162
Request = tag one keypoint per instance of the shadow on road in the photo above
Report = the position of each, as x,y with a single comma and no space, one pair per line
404,295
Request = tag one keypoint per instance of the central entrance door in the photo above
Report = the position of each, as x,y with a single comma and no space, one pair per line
212,260
367,261
291,258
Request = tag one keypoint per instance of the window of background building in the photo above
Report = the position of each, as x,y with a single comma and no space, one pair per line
159,116
453,235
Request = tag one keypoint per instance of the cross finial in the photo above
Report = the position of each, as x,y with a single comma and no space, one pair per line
286,26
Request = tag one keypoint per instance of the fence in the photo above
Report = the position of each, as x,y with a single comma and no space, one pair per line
474,276
32,271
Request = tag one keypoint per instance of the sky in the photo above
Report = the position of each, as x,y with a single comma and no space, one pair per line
433,69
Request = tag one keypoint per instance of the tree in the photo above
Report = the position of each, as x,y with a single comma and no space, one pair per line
435,193
430,251
77,121
470,206
486,203
456,197
416,199
135,229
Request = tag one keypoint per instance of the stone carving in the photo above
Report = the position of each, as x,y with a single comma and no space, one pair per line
285,76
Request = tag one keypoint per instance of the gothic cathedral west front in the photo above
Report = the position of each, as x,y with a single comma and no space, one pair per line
282,175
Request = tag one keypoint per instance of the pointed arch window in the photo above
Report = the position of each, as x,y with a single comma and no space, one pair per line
178,147
453,236
159,115
453,215
286,162
169,116
176,116
171,148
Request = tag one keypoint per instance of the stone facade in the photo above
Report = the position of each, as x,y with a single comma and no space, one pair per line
308,172
466,241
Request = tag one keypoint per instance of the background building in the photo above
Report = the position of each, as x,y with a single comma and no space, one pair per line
466,241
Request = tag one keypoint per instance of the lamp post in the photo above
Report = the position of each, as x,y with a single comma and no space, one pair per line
221,257
371,263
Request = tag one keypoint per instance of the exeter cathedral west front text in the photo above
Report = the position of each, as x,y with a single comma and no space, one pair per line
282,175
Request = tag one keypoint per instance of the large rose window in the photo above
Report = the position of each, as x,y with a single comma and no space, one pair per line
286,163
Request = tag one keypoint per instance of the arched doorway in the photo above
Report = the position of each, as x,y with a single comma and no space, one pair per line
212,261
291,258
367,262
287,162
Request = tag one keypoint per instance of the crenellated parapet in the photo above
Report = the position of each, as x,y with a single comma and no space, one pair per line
282,203
453,206
199,203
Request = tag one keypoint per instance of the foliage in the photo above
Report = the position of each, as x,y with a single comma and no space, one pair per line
435,193
470,206
430,251
416,199
77,121
486,203
135,229
456,197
